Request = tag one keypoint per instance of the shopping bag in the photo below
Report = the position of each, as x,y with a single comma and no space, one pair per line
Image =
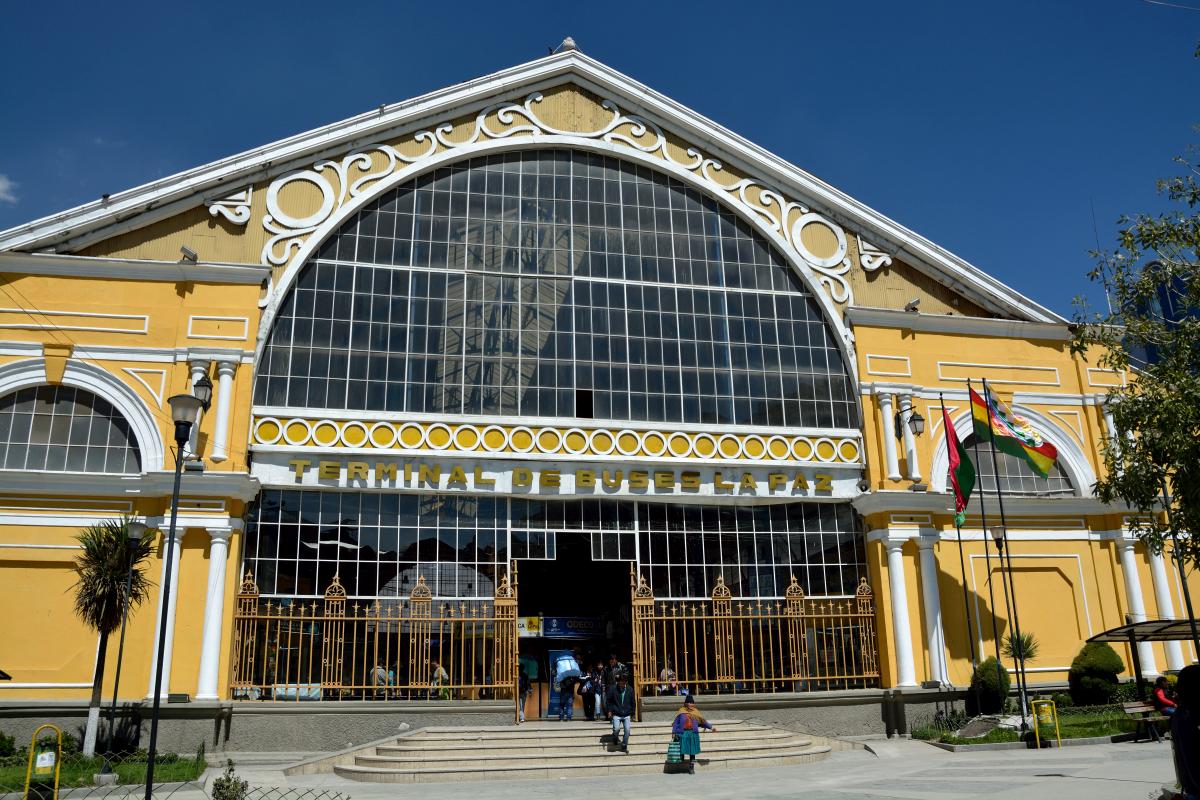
674,751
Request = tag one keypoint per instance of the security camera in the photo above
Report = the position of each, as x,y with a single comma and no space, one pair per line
912,305
189,254
864,485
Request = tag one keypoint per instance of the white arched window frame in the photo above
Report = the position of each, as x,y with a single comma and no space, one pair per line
81,375
1070,455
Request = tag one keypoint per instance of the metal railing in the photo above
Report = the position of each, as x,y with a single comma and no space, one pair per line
726,645
413,648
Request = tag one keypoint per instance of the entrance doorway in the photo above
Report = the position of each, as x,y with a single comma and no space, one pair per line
583,605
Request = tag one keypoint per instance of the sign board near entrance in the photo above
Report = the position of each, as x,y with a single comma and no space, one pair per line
571,627
528,627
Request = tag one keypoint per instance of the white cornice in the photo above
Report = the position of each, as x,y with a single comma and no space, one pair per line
949,323
235,485
941,502
136,207
130,269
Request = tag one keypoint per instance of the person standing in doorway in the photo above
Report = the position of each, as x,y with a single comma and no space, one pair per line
614,669
566,699
619,702
523,688
686,726
598,689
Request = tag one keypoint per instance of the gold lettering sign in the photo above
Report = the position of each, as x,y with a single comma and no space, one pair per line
420,475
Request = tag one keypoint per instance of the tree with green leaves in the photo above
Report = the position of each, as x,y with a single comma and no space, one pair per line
1151,334
104,588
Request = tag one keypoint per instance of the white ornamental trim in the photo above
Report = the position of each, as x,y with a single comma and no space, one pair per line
759,198
233,207
258,434
870,257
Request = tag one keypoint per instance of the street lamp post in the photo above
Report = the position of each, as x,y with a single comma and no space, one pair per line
134,531
1010,599
185,409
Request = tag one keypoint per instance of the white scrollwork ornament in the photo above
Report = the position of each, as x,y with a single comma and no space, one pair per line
871,257
234,207
762,200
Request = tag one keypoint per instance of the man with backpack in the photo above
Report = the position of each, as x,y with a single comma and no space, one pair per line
619,702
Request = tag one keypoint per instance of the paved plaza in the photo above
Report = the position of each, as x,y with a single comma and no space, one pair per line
901,769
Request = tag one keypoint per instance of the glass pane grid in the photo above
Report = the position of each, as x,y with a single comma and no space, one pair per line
560,284
61,428
1016,476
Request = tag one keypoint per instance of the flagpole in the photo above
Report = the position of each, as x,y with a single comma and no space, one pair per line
962,564
1006,556
987,553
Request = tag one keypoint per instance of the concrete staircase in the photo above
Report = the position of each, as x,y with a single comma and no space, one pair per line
558,750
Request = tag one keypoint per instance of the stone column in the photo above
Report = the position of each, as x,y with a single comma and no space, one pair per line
214,614
170,637
1137,607
910,440
889,436
906,673
935,639
199,368
1166,608
225,370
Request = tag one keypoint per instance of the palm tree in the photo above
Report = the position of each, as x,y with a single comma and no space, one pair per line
1024,647
110,562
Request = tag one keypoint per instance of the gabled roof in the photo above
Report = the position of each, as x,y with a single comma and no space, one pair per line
71,230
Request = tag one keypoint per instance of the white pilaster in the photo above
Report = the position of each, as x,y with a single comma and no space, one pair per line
889,436
1166,607
225,370
1137,607
170,637
199,368
906,672
910,439
214,614
935,639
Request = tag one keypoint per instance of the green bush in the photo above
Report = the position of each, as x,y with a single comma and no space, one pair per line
1062,700
229,786
1127,692
8,745
989,688
1093,676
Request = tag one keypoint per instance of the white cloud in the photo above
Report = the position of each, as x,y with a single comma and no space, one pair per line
8,189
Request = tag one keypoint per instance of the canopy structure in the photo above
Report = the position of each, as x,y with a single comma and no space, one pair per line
1153,630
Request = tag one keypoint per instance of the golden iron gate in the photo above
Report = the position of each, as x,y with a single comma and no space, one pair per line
728,645
407,648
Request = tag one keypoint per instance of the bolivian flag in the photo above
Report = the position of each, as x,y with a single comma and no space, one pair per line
962,471
1010,434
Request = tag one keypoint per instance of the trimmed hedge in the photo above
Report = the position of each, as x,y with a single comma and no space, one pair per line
989,688
1093,677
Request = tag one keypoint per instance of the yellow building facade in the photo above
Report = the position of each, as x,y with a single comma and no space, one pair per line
453,338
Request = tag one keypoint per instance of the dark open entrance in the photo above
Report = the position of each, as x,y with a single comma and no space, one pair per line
583,604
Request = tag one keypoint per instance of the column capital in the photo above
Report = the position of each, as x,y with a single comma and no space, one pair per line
199,363
927,539
893,538
226,367
220,534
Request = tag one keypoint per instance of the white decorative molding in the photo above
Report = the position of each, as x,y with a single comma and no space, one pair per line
1081,586
953,323
904,364
870,257
192,334
130,268
1117,378
141,322
1073,422
624,130
233,207
137,372
999,381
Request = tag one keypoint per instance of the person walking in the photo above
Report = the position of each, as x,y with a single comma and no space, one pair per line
439,683
686,726
523,689
619,702
598,689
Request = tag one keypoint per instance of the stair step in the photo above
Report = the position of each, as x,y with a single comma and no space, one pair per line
414,744
575,767
556,730
507,760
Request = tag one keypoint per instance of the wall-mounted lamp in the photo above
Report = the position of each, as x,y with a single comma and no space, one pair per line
202,390
914,420
998,537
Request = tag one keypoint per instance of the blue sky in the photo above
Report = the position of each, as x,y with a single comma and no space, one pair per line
993,129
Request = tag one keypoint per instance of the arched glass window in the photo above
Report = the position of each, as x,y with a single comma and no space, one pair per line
64,428
555,283
1016,476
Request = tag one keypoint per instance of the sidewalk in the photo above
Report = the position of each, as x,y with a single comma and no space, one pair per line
897,769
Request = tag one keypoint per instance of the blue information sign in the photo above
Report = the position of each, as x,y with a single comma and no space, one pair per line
571,627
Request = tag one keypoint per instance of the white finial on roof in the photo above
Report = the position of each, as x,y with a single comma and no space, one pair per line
567,44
